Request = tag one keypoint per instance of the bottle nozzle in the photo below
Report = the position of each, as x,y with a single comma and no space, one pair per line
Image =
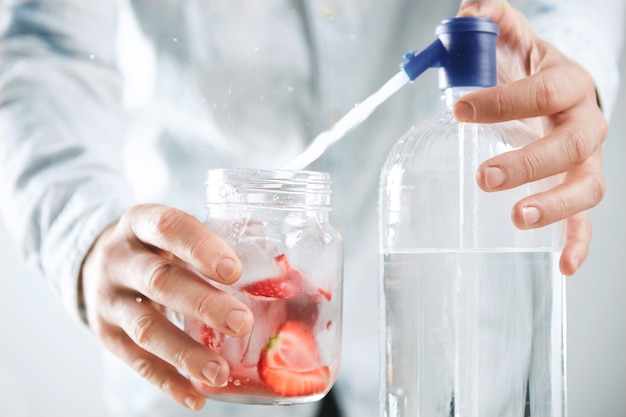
415,63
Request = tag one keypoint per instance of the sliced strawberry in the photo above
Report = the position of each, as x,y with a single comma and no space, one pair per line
327,294
287,285
291,272
278,287
205,335
290,364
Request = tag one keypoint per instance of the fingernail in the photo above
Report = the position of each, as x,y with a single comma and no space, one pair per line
226,269
190,402
494,177
210,371
235,320
464,111
531,215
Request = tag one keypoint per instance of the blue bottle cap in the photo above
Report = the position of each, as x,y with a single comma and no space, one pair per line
470,52
464,52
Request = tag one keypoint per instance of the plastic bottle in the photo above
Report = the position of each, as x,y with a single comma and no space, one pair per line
472,308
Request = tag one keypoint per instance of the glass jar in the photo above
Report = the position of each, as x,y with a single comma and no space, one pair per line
277,222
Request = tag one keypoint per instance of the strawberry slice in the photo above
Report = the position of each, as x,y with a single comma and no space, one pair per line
290,364
291,272
278,287
289,284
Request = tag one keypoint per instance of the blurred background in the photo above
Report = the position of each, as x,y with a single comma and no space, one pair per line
50,365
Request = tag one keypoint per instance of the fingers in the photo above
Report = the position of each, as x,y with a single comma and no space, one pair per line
151,331
150,367
580,191
182,290
550,92
139,267
577,243
187,238
564,149
134,266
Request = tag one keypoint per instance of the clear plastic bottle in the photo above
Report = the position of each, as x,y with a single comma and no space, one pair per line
277,222
472,308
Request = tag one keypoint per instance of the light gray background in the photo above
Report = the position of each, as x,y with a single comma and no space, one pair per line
49,365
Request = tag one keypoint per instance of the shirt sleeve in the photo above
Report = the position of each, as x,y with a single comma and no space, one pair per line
589,32
60,127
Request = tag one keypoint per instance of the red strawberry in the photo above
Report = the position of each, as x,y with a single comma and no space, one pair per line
290,364
205,335
278,287
291,272
287,285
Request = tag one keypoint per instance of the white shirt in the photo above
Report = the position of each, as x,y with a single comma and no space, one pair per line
223,84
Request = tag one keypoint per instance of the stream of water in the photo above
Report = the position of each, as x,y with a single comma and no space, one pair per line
352,119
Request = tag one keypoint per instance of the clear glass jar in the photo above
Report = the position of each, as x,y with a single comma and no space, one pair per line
277,222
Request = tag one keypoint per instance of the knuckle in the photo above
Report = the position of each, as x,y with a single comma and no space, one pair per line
168,221
547,96
158,278
196,248
578,147
183,357
143,328
503,105
598,188
147,368
144,367
105,252
560,207
201,305
531,163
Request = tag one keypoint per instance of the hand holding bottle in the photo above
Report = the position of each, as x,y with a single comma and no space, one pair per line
536,80
156,257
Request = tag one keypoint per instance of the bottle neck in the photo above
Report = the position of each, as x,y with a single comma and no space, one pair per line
452,94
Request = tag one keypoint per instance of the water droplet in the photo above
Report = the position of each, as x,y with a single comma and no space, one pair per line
174,40
236,382
275,197
92,56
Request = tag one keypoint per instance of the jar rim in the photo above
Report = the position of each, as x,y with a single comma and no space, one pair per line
247,174
278,188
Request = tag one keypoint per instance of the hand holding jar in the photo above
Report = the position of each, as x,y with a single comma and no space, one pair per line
156,256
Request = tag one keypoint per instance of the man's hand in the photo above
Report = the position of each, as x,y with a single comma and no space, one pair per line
538,82
156,258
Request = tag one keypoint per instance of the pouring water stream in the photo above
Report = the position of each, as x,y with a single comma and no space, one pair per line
414,63
349,121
